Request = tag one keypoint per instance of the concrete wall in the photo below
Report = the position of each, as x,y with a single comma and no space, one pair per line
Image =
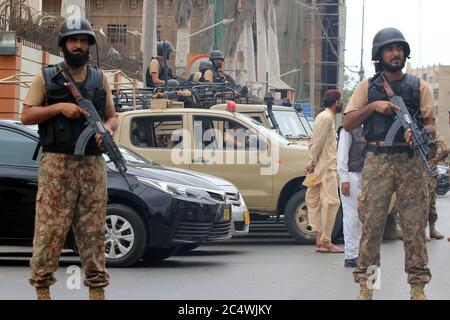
9,93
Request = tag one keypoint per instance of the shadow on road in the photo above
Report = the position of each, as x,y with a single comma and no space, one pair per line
174,264
25,262
208,253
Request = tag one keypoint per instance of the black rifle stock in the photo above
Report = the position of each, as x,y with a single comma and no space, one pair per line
421,139
95,126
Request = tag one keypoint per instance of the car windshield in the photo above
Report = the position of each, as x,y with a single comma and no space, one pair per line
132,157
270,133
128,155
308,123
290,124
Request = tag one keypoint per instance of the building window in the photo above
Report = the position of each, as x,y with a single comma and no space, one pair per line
133,4
117,34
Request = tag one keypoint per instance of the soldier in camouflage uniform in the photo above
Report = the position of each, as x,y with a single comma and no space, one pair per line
391,169
71,189
437,154
442,151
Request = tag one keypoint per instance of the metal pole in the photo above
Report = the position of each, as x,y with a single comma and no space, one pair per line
224,21
312,64
148,32
134,93
419,18
361,68
341,36
341,59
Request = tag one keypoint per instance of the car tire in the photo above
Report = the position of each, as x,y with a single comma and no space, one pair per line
160,254
133,239
441,191
338,230
296,220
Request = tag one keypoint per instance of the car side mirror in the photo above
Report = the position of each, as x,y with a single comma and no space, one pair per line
298,108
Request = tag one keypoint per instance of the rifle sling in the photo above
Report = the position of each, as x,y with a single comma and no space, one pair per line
66,74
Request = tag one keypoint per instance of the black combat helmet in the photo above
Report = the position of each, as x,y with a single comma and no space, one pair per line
204,65
76,26
172,84
216,54
388,36
164,46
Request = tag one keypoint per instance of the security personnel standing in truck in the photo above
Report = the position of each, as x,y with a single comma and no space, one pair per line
391,169
71,189
217,72
158,68
199,76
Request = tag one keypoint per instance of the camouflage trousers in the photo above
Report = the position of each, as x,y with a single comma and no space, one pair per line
431,182
71,192
432,185
382,175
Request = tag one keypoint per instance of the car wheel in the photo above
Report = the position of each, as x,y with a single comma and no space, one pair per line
296,219
125,237
338,229
297,223
159,254
441,191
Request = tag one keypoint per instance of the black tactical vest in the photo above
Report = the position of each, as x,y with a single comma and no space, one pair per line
201,79
162,73
218,77
60,134
377,126
356,152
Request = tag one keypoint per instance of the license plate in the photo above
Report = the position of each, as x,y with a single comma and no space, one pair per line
227,214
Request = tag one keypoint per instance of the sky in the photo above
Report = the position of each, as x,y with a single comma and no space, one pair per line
424,23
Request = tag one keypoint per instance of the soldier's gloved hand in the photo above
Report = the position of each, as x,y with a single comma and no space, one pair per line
72,111
385,107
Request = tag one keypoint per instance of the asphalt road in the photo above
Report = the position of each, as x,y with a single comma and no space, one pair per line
261,266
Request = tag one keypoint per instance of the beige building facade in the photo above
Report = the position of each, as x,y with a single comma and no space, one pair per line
438,76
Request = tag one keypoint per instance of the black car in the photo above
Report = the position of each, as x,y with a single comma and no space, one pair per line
442,180
165,210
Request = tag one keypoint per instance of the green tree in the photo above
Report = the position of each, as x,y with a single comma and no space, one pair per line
350,84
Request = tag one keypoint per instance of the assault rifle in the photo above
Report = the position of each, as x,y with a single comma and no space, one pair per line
422,140
95,126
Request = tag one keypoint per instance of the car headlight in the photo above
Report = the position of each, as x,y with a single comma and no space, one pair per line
176,189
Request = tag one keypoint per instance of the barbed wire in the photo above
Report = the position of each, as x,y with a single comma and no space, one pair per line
40,30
